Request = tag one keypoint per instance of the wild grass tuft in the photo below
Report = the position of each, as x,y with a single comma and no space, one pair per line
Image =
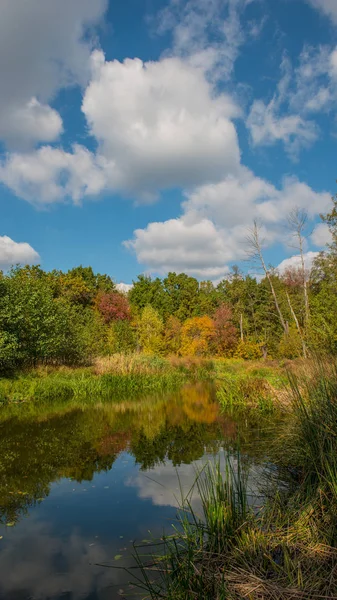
189,562
311,445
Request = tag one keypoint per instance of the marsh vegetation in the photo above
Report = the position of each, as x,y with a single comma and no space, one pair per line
286,548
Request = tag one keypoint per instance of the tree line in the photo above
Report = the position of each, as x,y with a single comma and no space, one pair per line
57,317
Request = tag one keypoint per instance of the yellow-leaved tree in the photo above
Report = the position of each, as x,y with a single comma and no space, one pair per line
150,331
197,334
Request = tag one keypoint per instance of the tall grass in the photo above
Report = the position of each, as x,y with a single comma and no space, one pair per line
250,385
189,562
85,386
109,378
286,550
244,391
312,443
143,363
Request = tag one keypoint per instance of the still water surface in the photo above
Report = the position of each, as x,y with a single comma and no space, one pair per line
79,485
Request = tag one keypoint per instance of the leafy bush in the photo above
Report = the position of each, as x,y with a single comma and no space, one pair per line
248,350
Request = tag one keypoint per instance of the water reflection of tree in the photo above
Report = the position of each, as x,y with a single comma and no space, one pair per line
36,450
175,443
199,405
187,428
33,454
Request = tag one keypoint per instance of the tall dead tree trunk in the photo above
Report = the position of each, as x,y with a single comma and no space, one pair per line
297,220
256,254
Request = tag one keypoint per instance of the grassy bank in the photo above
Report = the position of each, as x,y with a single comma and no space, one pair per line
250,385
287,549
115,377
240,385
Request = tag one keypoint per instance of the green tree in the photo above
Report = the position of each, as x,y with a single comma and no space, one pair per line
39,326
121,337
208,298
148,292
182,293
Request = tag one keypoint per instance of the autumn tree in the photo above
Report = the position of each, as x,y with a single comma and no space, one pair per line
172,335
226,334
113,306
80,285
197,334
95,281
75,289
239,292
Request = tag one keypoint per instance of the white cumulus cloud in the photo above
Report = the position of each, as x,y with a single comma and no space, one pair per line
44,46
212,231
208,33
124,287
158,125
302,92
176,245
30,124
275,121
267,127
321,235
50,175
295,262
12,253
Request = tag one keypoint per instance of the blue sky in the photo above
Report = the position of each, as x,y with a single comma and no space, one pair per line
146,136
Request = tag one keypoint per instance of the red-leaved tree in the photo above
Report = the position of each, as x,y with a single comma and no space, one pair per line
113,306
226,335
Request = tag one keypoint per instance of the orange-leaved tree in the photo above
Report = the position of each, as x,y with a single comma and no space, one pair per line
197,334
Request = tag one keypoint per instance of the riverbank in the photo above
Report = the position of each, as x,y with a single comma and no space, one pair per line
115,377
238,383
252,385
285,549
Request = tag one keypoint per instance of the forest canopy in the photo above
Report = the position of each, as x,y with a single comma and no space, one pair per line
70,318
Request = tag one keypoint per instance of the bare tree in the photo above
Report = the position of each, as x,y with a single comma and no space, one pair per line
297,221
255,253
